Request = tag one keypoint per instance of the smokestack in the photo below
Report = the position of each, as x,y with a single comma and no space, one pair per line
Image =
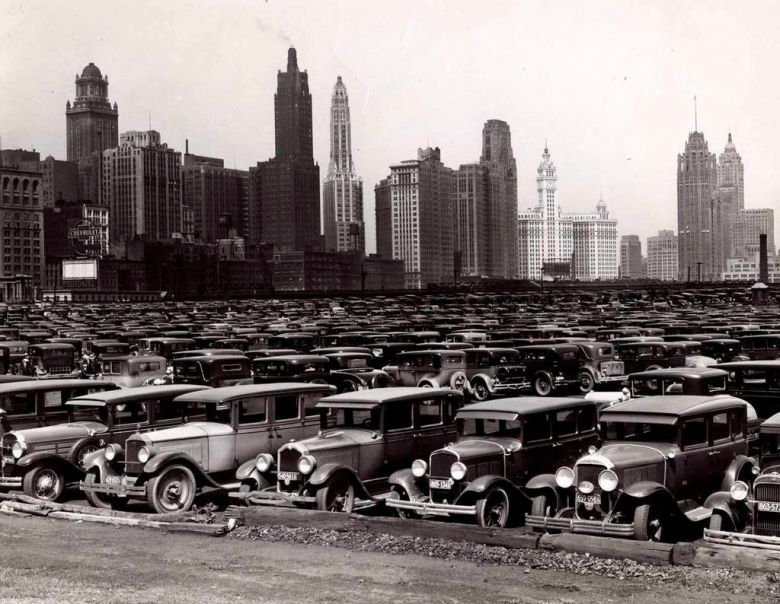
187,146
763,261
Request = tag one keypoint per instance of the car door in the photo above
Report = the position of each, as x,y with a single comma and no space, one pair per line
566,445
286,421
254,433
127,419
433,428
398,429
694,478
723,447
539,450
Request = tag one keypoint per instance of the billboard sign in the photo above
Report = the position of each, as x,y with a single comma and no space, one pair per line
85,239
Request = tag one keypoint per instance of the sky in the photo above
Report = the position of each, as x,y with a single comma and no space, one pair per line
608,84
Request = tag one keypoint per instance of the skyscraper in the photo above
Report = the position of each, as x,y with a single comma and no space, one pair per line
662,256
701,217
594,244
498,158
747,226
731,176
631,257
383,210
473,234
342,193
284,192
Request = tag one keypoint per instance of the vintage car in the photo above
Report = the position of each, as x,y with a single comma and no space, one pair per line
755,504
501,444
550,368
165,347
598,365
45,461
167,468
430,369
53,359
105,348
301,342
757,382
761,347
658,474
650,355
215,371
723,350
494,371
12,352
130,371
290,368
350,371
385,353
376,432
33,403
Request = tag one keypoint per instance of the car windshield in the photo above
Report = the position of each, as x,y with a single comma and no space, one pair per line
356,418
641,432
89,414
273,368
489,427
506,358
191,370
421,362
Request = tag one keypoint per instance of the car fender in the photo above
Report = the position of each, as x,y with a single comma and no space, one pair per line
735,511
483,484
323,474
382,379
159,462
740,464
87,440
546,374
70,470
647,489
408,482
246,470
544,484
649,492
485,378
96,463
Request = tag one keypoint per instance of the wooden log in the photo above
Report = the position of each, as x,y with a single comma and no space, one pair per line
683,554
177,527
713,555
299,518
609,547
17,506
70,507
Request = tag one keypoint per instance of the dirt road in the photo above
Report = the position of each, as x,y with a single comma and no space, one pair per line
60,561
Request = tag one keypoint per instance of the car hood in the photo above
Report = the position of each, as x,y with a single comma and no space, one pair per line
469,448
59,432
625,455
336,438
186,431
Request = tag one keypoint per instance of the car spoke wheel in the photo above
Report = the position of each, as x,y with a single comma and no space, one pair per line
43,482
586,382
493,509
481,391
82,453
649,524
173,490
338,495
96,500
542,385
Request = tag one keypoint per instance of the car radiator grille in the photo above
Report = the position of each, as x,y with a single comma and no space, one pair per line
288,462
764,492
588,472
440,464
768,524
132,465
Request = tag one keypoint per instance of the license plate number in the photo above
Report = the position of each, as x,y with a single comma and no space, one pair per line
588,498
113,479
287,476
438,483
768,506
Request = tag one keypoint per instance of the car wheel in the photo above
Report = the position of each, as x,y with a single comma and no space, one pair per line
43,482
481,391
716,522
586,381
493,509
425,385
648,524
349,386
338,495
173,490
541,505
96,500
543,385
82,452
400,494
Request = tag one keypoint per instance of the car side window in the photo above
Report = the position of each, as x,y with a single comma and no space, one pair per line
286,407
167,410
737,424
587,419
310,405
398,416
566,422
131,413
429,413
719,428
694,432
252,411
19,403
537,427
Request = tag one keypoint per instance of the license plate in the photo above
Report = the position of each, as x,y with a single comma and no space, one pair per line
588,498
438,483
612,368
287,476
768,506
113,479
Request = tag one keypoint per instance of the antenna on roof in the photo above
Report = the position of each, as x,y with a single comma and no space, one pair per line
695,115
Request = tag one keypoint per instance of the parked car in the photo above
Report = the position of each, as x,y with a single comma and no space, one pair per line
349,371
53,359
550,368
599,365
130,371
290,368
385,353
501,444
167,468
215,371
723,350
165,347
761,347
658,475
757,382
650,355
494,371
430,369
44,461
376,432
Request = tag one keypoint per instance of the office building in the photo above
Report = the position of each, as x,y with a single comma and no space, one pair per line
594,244
631,257
662,256
748,224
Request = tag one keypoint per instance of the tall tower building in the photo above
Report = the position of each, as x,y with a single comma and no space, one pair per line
498,159
473,231
701,217
142,187
422,196
731,176
342,192
631,257
383,210
92,123
284,192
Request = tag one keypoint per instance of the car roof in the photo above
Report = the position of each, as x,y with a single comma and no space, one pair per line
214,358
771,425
300,358
435,351
558,347
125,395
35,385
675,405
216,395
524,405
686,372
384,395
748,364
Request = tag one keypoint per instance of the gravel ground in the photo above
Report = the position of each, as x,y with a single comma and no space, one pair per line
748,584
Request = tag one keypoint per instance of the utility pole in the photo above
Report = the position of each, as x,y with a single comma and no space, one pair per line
698,271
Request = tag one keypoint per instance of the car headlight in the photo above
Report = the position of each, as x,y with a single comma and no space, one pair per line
17,449
306,464
144,453
608,481
419,468
264,462
739,491
458,470
112,452
564,477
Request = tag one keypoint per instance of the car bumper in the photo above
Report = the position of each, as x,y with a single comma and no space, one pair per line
274,497
586,527
428,508
608,379
113,488
742,539
10,482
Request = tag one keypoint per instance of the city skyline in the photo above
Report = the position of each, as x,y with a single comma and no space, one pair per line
633,102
